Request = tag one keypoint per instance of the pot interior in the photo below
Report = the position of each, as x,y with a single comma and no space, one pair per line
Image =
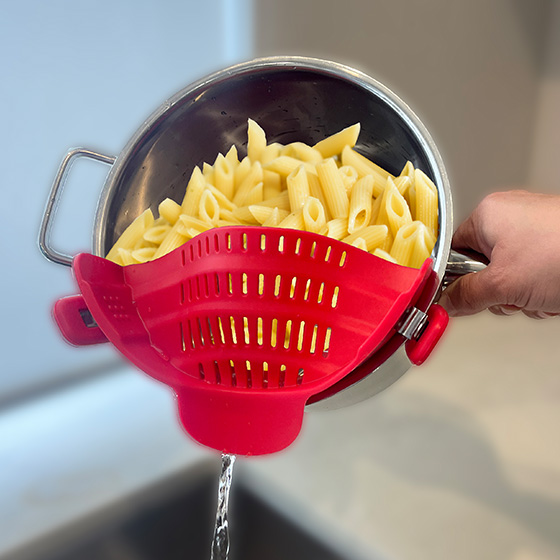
290,102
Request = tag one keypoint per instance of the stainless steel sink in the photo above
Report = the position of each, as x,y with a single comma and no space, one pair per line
174,521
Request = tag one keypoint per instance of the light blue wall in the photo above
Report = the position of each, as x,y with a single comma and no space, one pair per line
82,74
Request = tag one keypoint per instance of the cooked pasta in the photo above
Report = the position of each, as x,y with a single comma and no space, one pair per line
328,189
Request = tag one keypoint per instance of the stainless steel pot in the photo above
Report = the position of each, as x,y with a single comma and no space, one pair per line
293,99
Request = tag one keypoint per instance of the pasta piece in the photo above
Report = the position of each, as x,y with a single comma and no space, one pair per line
293,221
313,215
156,234
172,240
333,189
208,172
270,152
336,229
224,176
364,166
303,152
241,171
282,201
426,201
383,255
132,233
227,216
262,213
274,219
284,165
408,171
144,255
208,208
316,191
413,244
298,188
185,223
256,141
359,243
255,195
195,187
169,210
349,177
272,184
394,209
374,236
403,182
361,201
125,257
232,157
253,178
244,215
334,144
223,201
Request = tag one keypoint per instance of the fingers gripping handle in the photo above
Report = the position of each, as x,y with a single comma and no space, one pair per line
53,200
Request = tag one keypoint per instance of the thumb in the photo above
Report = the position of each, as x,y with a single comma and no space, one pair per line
470,294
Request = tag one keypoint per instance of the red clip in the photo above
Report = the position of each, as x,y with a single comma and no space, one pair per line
76,323
419,350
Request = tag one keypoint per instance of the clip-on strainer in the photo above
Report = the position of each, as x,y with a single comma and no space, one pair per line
247,323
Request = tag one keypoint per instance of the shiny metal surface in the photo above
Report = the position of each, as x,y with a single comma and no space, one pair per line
459,265
293,99
54,198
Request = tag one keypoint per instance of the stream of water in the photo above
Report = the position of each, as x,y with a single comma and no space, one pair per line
220,541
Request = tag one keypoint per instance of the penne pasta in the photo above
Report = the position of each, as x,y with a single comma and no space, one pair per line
169,210
413,244
293,220
303,152
272,184
132,233
253,178
349,177
383,255
334,144
361,202
255,195
336,228
224,176
298,188
328,189
284,165
313,215
374,236
208,208
426,201
156,234
256,141
241,171
195,186
363,167
333,189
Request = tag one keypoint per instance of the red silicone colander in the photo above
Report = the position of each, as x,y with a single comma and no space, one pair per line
246,324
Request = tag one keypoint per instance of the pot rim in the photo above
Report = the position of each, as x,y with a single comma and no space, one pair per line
326,67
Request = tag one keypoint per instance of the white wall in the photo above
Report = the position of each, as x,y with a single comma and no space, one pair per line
82,74
544,173
470,69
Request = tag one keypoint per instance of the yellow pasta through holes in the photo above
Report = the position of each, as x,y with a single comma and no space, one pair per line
328,188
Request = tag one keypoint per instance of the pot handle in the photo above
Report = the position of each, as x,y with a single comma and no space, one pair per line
53,200
460,264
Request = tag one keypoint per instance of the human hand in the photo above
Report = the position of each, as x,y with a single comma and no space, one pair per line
519,233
